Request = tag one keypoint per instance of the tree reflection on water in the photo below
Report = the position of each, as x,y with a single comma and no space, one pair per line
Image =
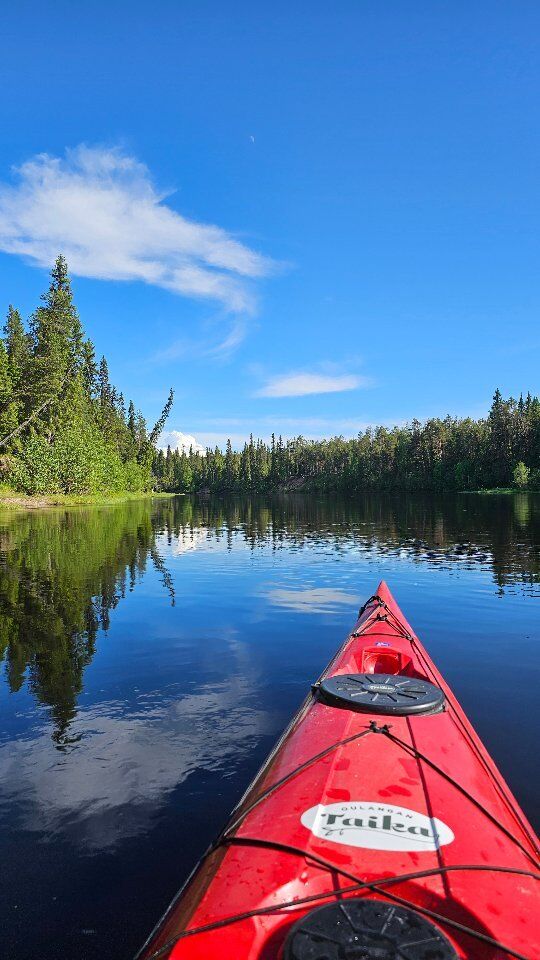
62,571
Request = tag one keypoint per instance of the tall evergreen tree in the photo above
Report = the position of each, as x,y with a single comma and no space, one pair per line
62,423
229,465
89,368
57,336
160,423
19,353
8,408
132,419
104,384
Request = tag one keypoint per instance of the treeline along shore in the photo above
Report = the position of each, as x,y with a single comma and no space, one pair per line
499,451
64,428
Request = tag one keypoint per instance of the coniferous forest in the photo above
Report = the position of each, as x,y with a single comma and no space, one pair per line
502,450
64,427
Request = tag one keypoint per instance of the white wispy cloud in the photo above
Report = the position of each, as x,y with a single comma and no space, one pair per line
303,384
204,347
228,343
100,208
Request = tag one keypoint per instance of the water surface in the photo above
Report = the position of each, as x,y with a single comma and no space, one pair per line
152,653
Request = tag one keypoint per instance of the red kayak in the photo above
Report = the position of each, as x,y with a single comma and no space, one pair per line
378,829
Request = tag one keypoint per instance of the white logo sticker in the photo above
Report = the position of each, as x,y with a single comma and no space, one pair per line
376,826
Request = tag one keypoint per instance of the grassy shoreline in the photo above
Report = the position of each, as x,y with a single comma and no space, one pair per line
14,499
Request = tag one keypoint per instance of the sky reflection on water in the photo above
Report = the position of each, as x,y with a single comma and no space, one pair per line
153,653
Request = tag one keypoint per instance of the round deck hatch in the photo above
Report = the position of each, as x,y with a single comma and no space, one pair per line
393,694
365,929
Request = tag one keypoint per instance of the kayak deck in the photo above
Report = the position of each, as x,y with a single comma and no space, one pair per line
363,797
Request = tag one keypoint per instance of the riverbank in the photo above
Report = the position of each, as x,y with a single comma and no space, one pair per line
299,485
497,490
14,499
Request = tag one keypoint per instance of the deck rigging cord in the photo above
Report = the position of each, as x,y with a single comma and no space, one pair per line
225,838
390,617
375,886
421,756
285,779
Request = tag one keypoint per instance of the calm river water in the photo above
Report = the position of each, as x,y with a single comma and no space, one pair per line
153,651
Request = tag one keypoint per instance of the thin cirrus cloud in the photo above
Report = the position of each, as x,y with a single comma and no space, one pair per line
304,384
100,208
204,347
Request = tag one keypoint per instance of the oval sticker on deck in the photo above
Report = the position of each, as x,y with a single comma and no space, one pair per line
376,826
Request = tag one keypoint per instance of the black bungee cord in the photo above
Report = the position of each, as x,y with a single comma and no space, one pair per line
390,616
374,886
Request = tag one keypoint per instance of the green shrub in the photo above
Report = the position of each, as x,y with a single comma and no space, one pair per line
76,461
521,475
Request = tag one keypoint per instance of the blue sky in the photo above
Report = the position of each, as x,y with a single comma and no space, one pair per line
305,217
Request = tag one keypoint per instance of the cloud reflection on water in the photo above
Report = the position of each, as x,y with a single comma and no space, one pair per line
126,762
310,599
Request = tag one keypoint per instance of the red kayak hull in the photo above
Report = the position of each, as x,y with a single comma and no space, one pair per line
410,810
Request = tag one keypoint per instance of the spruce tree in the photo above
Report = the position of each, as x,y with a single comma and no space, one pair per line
104,384
160,423
131,420
19,353
229,465
89,368
57,336
65,423
8,409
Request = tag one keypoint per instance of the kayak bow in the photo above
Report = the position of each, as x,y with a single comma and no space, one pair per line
379,827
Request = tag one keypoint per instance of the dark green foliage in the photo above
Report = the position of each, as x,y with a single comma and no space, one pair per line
61,575
8,405
69,425
18,346
500,451
57,336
